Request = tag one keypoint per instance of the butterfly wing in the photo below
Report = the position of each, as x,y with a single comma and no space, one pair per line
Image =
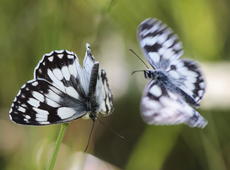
40,103
98,86
163,49
62,70
160,45
186,75
160,106
60,90
90,69
104,95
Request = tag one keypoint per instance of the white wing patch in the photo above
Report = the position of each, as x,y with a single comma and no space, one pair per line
65,112
167,108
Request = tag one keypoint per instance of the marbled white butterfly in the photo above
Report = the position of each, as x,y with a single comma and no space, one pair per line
62,91
176,85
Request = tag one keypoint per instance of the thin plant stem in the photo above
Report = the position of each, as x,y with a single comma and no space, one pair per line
57,146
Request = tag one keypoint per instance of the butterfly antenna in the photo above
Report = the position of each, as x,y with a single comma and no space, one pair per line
135,71
139,58
113,131
90,135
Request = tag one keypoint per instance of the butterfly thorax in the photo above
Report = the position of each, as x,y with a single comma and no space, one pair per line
91,107
157,75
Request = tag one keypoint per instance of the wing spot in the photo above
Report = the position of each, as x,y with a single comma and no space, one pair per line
154,56
174,74
53,96
72,92
65,112
70,56
172,67
57,72
55,80
27,117
26,120
44,123
156,91
52,103
38,96
41,112
51,58
200,92
202,85
21,109
10,110
65,72
33,102
35,83
168,53
60,56
162,38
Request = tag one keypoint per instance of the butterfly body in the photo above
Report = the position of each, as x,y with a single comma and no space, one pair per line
175,85
62,90
162,79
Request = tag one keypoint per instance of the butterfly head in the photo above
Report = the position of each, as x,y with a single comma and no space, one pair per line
155,75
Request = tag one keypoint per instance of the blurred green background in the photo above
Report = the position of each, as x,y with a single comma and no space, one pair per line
29,29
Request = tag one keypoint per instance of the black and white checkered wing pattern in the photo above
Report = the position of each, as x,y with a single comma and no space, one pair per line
187,76
55,95
62,70
104,95
160,106
160,45
40,103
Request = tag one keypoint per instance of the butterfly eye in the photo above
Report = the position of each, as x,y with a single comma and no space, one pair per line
149,74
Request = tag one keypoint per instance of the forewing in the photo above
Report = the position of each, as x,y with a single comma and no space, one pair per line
186,74
40,103
98,86
160,45
89,60
160,106
104,96
62,70
90,67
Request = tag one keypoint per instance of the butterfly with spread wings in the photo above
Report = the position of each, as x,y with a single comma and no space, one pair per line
62,90
176,85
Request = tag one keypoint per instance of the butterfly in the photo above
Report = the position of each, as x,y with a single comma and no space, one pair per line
176,85
62,90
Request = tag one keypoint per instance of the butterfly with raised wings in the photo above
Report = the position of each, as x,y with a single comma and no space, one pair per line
62,90
176,85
